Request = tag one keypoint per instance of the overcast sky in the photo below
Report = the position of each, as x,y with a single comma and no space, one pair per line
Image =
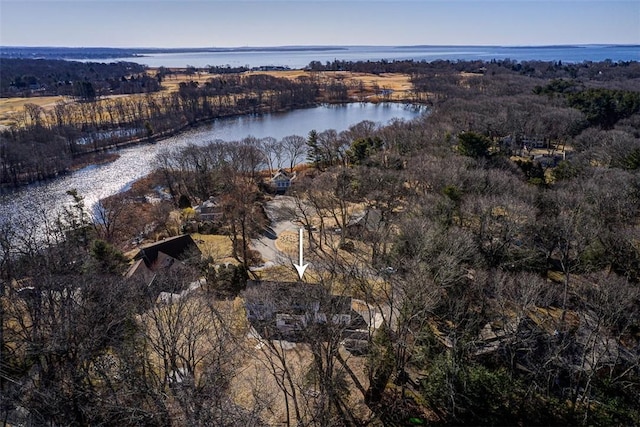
206,23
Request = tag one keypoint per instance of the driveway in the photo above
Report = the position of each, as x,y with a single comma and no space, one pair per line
281,213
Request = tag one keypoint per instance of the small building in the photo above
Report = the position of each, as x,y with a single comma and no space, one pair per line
361,225
288,310
529,143
548,160
523,144
281,181
209,210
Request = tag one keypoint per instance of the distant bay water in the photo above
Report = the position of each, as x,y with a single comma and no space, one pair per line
300,57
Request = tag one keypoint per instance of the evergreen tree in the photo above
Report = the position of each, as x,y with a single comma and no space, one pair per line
314,153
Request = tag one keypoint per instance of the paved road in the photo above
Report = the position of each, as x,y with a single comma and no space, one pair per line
281,213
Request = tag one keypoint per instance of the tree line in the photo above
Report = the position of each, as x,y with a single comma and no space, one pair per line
83,80
605,71
46,142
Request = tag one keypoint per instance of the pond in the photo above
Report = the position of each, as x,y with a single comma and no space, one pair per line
99,181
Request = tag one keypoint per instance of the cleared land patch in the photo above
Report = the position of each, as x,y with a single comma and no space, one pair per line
216,246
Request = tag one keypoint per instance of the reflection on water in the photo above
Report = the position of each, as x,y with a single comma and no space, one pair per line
99,181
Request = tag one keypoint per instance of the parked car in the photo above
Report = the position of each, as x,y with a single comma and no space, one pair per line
388,271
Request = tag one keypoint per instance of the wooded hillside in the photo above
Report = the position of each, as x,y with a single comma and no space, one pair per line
479,265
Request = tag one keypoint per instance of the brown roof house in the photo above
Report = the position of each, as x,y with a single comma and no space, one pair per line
165,258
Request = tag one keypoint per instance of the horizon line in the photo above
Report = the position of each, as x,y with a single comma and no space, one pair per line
308,46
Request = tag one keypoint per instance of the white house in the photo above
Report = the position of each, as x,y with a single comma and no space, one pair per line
209,210
281,181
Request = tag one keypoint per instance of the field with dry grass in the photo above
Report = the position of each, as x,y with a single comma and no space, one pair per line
400,84
255,384
171,82
362,86
216,246
12,108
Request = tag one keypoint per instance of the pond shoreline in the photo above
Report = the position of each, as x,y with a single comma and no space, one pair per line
95,182
106,154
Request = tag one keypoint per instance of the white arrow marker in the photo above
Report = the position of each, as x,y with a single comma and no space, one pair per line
301,267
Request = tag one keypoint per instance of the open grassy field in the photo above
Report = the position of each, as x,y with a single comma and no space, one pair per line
400,84
172,81
362,86
10,108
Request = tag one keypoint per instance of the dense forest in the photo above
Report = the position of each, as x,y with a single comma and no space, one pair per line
83,80
498,252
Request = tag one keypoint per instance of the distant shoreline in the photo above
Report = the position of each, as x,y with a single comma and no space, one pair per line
70,53
105,53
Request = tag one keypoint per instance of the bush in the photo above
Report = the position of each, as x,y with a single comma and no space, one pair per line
229,280
184,202
470,394
473,144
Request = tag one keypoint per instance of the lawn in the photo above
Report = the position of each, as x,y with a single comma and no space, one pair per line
216,246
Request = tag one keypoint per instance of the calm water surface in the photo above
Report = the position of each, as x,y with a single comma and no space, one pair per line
302,58
97,182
